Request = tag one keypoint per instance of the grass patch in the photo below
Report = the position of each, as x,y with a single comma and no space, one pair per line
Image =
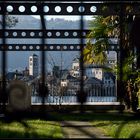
30,129
119,128
114,124
89,116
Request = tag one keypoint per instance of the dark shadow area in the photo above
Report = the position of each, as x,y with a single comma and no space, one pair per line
133,135
9,133
73,116
91,116
120,120
27,126
114,118
121,126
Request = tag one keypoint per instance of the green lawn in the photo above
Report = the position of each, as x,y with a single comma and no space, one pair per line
30,129
114,124
124,125
139,99
119,129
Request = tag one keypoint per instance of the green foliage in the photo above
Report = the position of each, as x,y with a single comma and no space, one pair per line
101,28
119,129
138,78
88,53
126,69
30,129
11,21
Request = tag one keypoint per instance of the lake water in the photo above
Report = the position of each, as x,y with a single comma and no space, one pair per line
72,99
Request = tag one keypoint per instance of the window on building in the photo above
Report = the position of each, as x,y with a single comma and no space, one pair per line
107,77
35,64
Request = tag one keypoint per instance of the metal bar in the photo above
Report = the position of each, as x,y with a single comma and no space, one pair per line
62,8
49,47
49,33
54,1
81,63
34,9
120,87
43,55
4,63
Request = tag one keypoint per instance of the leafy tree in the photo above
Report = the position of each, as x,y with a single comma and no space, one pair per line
102,28
11,21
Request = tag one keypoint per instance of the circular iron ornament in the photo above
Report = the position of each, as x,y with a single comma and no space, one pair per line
9,8
81,9
37,47
57,9
23,34
21,8
24,47
46,9
10,47
19,95
93,9
69,9
34,9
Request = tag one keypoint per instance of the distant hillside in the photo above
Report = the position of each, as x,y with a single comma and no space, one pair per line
29,22
19,60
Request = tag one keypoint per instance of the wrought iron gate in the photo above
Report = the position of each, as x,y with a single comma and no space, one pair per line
58,8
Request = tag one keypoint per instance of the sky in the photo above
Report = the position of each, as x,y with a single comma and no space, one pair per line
65,17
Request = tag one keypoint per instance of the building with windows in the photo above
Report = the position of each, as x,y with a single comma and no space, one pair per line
33,65
109,78
111,59
14,75
93,70
75,69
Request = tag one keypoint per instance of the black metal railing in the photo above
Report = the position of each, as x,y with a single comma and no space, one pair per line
46,8
95,93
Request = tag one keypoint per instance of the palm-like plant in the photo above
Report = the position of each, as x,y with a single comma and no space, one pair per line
101,28
95,52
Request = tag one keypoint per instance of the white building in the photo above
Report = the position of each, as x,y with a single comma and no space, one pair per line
33,65
94,71
109,78
111,59
91,70
75,70
76,64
